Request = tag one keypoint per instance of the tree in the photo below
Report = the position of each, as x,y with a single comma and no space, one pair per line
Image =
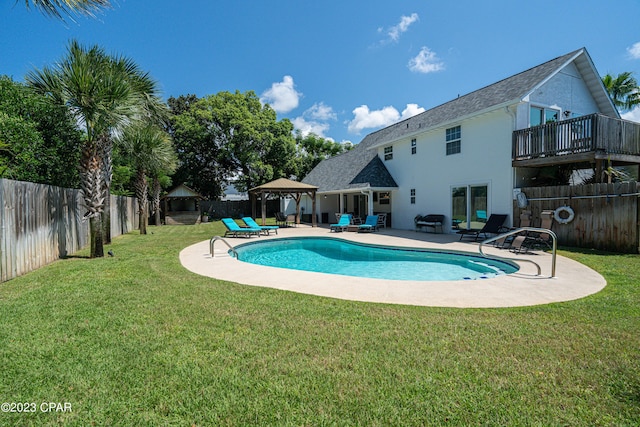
230,136
58,8
312,149
623,90
151,152
103,93
40,138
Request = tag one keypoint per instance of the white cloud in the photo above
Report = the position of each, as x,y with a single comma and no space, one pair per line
634,51
309,126
396,31
426,62
282,96
633,115
411,110
314,120
320,111
367,119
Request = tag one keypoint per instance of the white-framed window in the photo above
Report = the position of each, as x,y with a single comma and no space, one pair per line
541,115
413,196
453,138
414,146
388,152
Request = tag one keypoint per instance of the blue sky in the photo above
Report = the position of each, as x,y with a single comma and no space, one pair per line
339,68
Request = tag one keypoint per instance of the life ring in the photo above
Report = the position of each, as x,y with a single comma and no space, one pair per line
557,215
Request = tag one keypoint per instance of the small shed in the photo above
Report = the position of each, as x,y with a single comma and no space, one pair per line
182,206
284,187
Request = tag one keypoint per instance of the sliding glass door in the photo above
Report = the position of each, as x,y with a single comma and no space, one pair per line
469,206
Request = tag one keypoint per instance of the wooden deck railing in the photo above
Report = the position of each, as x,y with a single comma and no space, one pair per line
590,133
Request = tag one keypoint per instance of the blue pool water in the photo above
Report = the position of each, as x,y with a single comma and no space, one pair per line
336,256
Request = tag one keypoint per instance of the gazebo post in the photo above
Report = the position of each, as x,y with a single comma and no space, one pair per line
263,200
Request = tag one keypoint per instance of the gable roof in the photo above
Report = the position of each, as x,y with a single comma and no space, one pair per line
358,168
182,191
361,167
505,92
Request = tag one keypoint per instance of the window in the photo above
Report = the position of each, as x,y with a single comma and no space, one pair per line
453,140
413,146
540,115
388,152
384,198
413,196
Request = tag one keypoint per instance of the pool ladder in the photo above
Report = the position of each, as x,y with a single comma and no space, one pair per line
518,231
214,239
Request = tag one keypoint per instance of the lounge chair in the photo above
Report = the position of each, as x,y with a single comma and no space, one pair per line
234,230
493,226
343,223
266,229
370,224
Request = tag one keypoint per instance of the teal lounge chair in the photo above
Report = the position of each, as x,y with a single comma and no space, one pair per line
343,223
370,224
234,230
266,229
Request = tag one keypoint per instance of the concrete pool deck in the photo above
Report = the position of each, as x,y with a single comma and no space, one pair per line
573,280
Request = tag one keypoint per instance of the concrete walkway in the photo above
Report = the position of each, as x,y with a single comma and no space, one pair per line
573,280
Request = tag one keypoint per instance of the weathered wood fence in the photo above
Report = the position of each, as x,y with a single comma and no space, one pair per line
606,215
42,223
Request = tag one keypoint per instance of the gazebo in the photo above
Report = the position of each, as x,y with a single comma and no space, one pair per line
286,187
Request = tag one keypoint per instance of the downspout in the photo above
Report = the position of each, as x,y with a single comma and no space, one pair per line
514,177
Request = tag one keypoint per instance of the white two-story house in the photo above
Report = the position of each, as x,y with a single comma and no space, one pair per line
466,158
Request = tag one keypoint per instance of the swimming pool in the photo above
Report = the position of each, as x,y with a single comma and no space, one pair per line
337,256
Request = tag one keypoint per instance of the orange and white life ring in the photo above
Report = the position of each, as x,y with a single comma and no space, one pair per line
563,215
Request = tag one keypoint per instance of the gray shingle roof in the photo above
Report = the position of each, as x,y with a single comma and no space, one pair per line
361,166
358,168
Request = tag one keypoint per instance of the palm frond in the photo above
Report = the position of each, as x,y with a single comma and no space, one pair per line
61,8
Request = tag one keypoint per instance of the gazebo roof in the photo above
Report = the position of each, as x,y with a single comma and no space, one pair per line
283,185
182,192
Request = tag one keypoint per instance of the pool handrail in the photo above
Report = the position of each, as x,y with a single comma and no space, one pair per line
518,231
214,239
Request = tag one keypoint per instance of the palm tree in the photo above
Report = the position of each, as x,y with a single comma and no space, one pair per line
58,8
103,93
151,152
623,90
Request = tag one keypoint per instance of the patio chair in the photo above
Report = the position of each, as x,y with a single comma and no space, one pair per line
284,220
234,230
382,220
370,224
266,229
345,220
538,240
493,226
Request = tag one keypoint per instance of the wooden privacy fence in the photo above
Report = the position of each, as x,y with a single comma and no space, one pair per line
606,215
42,223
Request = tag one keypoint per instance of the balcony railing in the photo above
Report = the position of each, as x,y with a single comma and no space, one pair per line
593,133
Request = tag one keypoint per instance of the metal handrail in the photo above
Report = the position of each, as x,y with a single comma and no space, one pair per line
518,231
214,239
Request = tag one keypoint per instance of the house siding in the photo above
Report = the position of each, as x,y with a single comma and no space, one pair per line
566,90
485,158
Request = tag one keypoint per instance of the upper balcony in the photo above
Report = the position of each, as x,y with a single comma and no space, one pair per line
587,139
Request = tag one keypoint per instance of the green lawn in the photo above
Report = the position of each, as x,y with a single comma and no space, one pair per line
138,340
